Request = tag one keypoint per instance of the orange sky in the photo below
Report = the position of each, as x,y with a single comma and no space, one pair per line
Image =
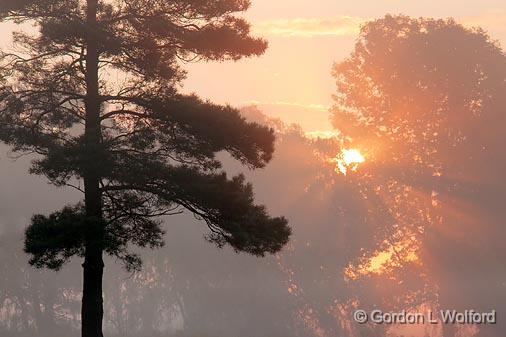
292,80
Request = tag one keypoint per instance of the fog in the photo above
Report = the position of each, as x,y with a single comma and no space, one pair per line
418,225
191,288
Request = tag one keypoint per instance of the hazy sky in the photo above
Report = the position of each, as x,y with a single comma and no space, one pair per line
292,80
306,37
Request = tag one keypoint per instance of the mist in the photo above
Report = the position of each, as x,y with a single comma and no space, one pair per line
400,208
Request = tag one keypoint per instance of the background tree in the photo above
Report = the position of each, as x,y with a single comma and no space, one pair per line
95,94
425,100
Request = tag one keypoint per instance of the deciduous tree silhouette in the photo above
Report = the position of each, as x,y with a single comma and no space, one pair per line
94,94
425,97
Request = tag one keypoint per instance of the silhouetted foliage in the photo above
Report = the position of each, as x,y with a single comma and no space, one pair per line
425,99
140,148
198,290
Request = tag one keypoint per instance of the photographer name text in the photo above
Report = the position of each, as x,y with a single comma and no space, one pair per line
428,317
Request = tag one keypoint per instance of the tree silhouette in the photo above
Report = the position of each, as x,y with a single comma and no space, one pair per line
425,97
95,95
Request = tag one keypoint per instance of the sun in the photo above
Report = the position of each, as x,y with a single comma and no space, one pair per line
348,160
352,156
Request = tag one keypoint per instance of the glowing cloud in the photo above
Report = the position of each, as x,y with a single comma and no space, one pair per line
311,27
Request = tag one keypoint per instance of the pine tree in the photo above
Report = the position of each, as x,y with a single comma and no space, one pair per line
94,93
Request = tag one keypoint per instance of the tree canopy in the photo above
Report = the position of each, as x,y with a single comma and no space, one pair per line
157,149
425,99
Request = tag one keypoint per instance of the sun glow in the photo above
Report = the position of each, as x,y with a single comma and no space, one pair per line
348,160
381,262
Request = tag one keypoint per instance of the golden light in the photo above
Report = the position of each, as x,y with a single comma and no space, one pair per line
380,262
348,160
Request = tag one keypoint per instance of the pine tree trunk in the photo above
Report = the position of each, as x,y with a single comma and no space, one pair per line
92,307
92,310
